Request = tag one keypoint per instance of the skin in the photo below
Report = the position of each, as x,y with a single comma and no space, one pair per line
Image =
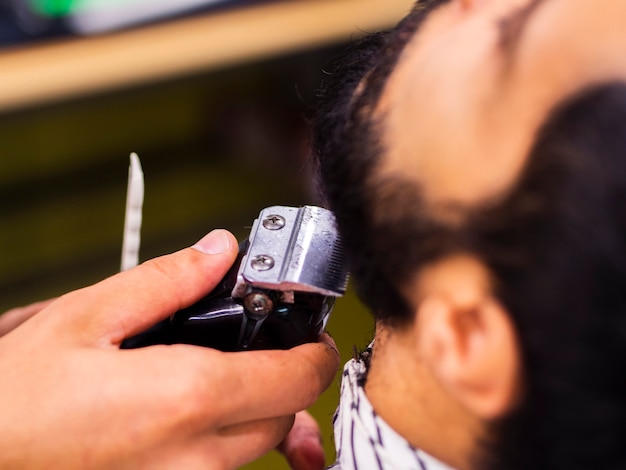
71,398
460,113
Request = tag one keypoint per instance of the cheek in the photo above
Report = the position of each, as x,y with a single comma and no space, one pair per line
429,120
436,137
448,117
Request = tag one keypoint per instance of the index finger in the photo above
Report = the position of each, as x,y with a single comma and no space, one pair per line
222,389
263,384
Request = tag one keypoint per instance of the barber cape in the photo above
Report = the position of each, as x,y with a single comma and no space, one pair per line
364,441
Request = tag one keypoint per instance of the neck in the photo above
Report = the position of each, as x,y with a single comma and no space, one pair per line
407,396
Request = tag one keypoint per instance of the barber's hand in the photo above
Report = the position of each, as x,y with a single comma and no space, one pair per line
303,446
16,316
70,398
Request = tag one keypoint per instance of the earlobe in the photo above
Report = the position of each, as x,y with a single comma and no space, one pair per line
471,351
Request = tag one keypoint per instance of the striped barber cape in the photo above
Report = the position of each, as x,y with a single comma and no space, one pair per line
364,441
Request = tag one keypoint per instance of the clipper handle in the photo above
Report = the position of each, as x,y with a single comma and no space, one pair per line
217,301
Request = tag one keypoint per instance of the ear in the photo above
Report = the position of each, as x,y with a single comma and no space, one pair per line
469,344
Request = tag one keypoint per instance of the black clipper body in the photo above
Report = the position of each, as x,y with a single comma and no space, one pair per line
278,294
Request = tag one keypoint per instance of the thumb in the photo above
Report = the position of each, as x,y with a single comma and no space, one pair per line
130,302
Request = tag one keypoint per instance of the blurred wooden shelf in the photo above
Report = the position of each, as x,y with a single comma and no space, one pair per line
74,67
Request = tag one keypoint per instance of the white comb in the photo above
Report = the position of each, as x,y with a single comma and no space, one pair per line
132,219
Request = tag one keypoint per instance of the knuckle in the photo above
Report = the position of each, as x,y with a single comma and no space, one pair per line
166,272
197,390
162,268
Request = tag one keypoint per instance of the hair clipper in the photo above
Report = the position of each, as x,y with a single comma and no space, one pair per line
278,294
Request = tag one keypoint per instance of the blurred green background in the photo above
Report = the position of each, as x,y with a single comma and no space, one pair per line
215,149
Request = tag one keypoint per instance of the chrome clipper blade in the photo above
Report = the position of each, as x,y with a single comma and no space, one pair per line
293,249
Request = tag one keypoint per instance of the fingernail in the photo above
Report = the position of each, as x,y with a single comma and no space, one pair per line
217,241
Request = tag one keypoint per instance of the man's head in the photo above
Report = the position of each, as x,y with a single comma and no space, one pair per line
475,157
